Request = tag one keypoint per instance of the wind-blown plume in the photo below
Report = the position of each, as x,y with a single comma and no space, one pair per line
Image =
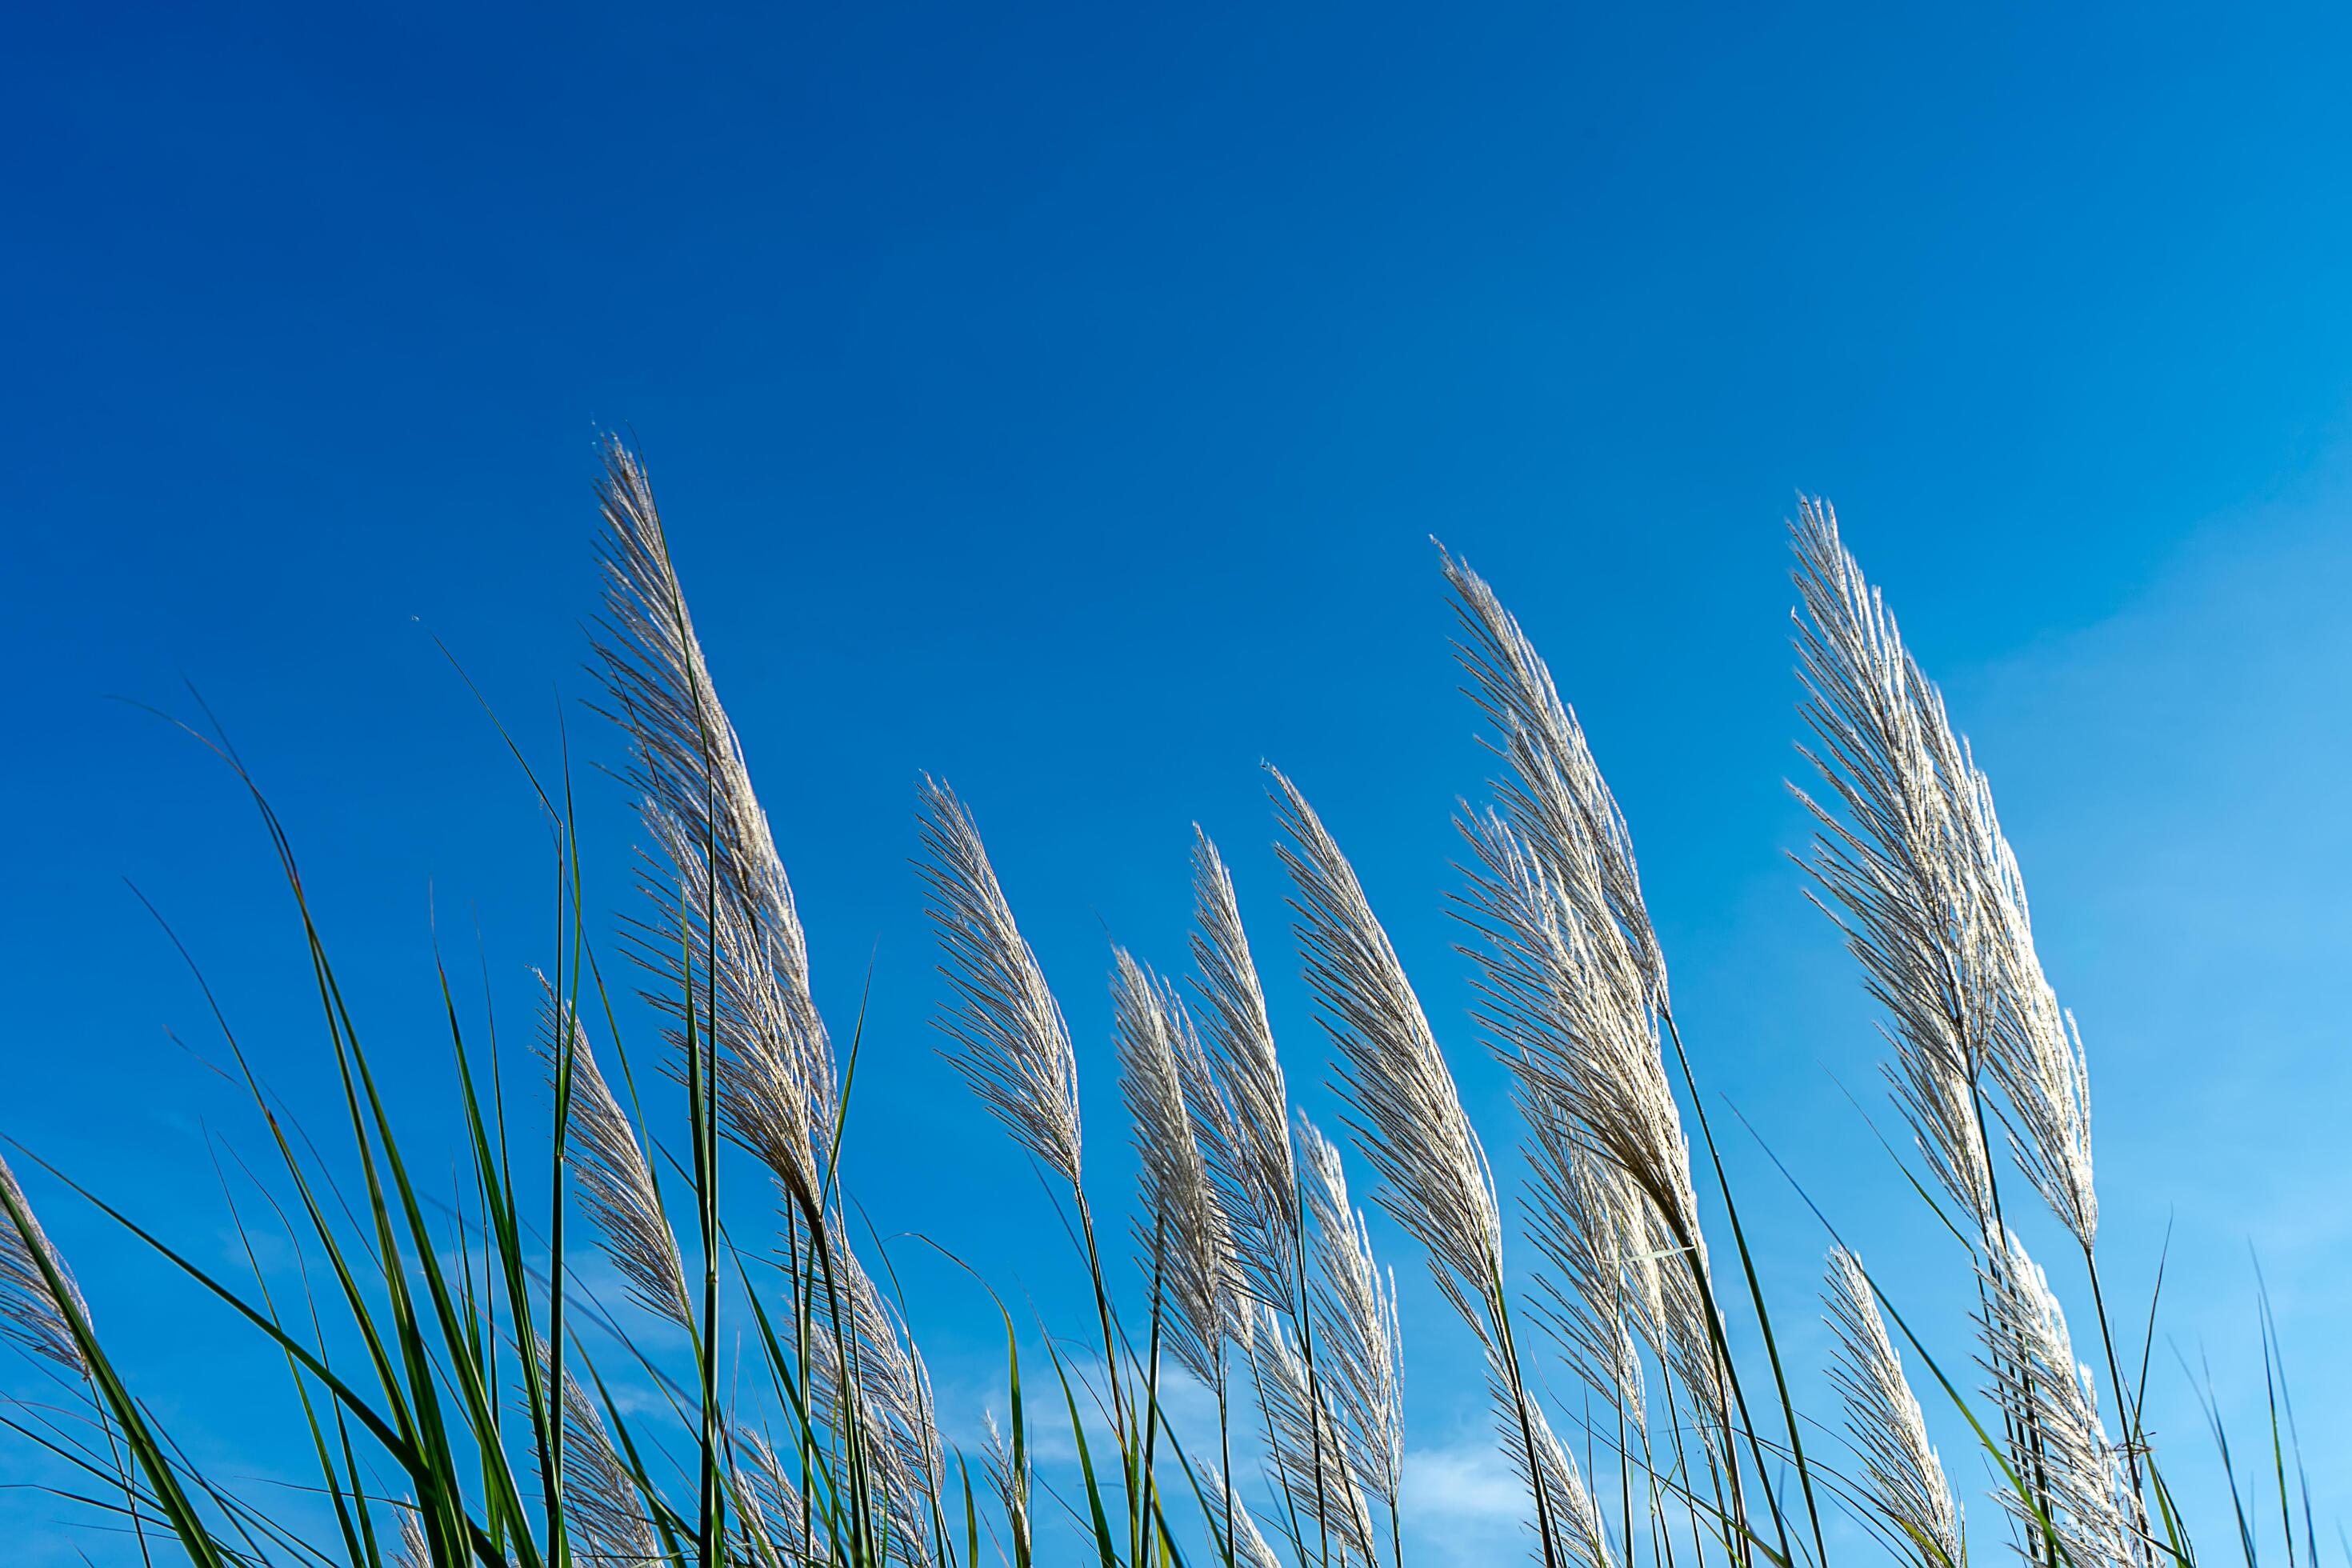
2063,1456
1014,1047
1931,901
1902,1478
887,1396
1308,1449
602,1508
1571,1501
1569,1009
1557,802
1249,1123
606,1161
1407,1111
1183,1223
31,1313
783,1513
416,1551
1603,1289
1573,996
1408,1118
745,956
1008,1477
1355,1324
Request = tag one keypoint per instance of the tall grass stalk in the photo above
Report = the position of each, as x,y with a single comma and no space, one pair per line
443,1357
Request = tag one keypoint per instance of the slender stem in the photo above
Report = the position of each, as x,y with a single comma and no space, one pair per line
2126,1405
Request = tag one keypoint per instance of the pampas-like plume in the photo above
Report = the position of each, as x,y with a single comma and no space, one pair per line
416,1551
1932,902
31,1313
1567,1008
1904,1480
1557,802
1571,1501
1408,1119
1309,1451
2059,1446
885,1396
1356,1324
1575,977
1163,1073
1593,1227
1008,1477
1407,1115
1573,996
1566,1002
1014,1045
1249,1122
784,1514
725,889
606,1161
1248,1548
602,1509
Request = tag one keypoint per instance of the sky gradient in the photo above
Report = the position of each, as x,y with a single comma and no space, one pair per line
1064,402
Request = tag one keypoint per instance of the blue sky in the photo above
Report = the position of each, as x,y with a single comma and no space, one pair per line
1063,401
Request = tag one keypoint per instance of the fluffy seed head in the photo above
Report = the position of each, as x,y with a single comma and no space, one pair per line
1012,1044
1902,1478
1927,892
1355,1324
32,1312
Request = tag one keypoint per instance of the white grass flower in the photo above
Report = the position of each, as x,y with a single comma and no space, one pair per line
726,936
1183,1226
415,1551
32,1312
1309,1450
1248,1121
1013,1045
2058,1445
1902,1478
1572,1506
1009,1478
1928,894
615,1178
604,1509
1408,1119
1356,1339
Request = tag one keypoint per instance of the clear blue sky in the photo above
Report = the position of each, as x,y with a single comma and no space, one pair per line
1062,400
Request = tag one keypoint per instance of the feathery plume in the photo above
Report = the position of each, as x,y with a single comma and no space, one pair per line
416,1551
1603,1288
1162,1071
1014,1047
1549,1467
1569,1010
1308,1449
602,1508
1248,1548
744,957
1572,997
1008,1477
1407,1109
1556,801
887,1396
606,1161
1929,895
1248,1123
1355,1324
783,1513
31,1313
2059,1445
1902,1477
1408,1119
